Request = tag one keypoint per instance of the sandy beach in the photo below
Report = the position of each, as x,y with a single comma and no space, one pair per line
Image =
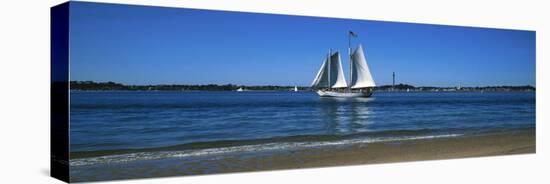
493,144
488,144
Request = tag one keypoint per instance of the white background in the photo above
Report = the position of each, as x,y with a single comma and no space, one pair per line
24,90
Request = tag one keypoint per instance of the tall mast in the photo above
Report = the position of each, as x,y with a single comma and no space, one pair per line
350,62
329,66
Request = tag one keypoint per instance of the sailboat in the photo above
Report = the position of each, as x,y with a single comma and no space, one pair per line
330,80
295,88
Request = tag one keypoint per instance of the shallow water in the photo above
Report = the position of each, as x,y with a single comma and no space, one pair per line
118,135
137,120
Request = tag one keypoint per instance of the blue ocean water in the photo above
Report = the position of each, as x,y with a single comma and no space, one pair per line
118,120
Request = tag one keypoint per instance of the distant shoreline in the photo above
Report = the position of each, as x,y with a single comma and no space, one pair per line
112,86
309,90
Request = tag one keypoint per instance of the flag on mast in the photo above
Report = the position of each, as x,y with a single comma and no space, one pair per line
352,34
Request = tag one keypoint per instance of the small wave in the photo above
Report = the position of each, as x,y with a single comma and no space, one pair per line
274,146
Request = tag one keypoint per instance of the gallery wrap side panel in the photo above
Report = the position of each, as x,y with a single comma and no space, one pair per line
59,112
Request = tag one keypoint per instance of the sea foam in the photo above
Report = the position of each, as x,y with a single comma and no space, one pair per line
265,147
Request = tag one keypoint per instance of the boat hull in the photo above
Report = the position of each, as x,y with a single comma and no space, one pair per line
347,94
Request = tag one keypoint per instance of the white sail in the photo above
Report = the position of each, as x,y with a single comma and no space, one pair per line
321,80
337,79
331,68
360,76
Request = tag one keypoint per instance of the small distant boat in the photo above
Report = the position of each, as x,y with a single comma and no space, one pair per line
295,88
330,81
240,90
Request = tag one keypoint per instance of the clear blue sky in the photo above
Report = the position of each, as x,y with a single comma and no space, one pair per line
153,45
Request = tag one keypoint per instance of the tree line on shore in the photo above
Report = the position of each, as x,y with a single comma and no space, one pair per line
107,86
103,86
406,87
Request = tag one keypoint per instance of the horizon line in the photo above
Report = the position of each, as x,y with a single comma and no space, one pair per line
223,84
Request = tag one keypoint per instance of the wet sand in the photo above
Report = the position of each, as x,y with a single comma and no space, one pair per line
415,150
491,144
